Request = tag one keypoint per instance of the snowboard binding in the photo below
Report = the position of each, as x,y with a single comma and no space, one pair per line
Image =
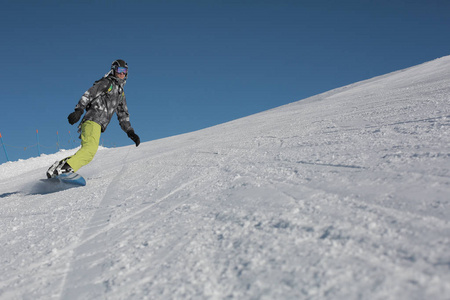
58,168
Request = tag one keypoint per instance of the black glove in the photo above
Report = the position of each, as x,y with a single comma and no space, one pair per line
75,116
134,137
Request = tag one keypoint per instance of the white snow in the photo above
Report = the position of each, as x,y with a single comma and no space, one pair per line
344,195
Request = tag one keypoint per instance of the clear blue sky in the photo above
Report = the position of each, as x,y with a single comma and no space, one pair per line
194,64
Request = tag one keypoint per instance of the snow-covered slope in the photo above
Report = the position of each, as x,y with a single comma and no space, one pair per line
344,195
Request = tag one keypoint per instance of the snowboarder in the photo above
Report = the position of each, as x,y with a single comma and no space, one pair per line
101,101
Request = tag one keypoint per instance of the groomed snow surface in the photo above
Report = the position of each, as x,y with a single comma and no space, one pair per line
344,195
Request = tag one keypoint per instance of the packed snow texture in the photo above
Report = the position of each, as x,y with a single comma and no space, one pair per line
344,195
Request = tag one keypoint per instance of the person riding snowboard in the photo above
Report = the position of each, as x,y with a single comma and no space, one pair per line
101,101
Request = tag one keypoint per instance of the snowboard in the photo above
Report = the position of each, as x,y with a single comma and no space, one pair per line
69,178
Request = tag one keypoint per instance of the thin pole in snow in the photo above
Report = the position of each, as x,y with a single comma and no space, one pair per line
71,139
4,148
57,138
38,147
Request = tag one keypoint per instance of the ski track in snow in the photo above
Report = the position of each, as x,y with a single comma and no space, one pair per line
344,195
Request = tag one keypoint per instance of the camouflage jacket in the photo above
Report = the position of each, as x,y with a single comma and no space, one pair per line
102,100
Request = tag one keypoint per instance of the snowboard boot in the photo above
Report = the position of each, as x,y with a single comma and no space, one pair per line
59,168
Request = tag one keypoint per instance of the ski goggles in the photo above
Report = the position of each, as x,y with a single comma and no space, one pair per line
121,70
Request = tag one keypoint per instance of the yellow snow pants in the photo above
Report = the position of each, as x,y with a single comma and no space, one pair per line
90,139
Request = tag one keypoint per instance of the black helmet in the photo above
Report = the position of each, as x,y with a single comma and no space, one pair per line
118,63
